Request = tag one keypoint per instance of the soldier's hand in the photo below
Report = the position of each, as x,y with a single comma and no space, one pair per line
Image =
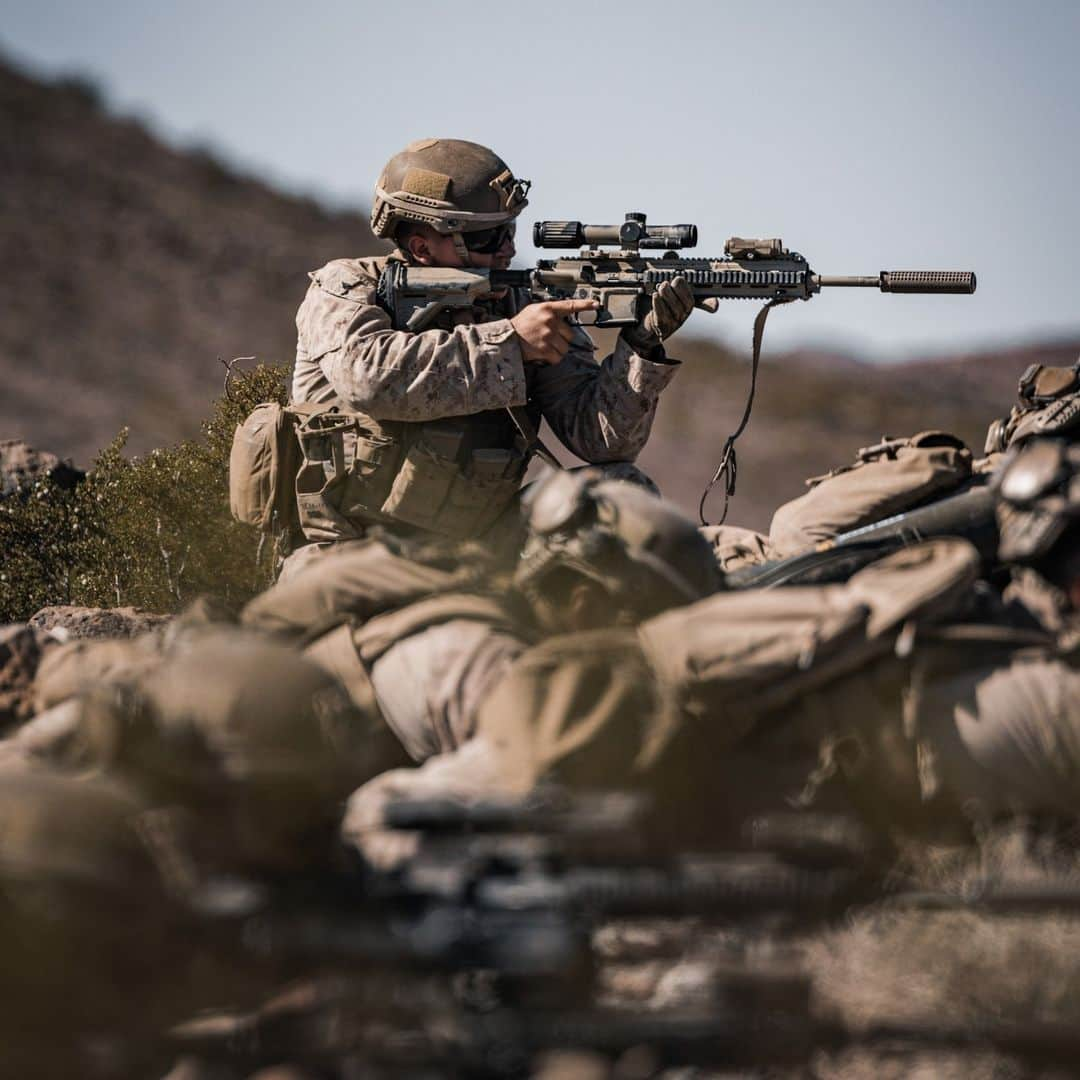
363,826
543,330
672,304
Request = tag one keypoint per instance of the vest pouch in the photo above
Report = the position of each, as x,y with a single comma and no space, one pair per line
421,487
479,497
374,461
321,479
263,463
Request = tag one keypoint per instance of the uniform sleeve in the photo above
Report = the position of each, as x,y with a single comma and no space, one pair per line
396,375
602,412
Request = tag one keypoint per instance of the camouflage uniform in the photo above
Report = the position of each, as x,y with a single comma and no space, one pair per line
434,429
929,717
347,351
424,646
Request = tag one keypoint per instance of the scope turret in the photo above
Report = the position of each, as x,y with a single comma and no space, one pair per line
632,234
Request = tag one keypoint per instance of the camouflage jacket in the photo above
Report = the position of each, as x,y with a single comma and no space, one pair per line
347,349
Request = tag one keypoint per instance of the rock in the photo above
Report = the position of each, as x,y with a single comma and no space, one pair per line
21,649
21,466
69,621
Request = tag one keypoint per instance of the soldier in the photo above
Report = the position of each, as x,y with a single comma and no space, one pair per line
437,427
897,475
597,553
247,744
929,702
259,743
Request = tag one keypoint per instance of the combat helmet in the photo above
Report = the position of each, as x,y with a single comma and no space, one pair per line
450,184
640,548
1038,491
1048,404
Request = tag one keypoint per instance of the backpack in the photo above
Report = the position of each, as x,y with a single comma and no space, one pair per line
742,654
886,479
263,464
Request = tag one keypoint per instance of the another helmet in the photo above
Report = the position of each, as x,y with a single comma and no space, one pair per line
640,548
452,185
1038,493
1048,404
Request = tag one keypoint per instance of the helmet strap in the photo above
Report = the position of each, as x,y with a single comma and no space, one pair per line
459,246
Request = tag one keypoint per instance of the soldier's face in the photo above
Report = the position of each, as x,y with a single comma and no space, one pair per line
433,249
491,247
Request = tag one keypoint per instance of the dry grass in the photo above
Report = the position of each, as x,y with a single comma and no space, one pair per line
886,966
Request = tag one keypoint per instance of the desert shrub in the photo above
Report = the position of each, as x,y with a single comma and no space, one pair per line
153,532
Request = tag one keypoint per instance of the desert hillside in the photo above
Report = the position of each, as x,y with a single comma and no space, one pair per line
132,267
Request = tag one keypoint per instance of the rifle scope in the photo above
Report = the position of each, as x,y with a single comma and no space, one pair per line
632,234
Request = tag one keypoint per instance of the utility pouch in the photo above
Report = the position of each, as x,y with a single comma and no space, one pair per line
263,463
374,461
421,487
354,472
434,492
477,498
322,478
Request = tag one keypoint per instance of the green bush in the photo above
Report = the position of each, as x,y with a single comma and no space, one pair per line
153,532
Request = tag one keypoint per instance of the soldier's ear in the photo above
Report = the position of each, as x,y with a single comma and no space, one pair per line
417,246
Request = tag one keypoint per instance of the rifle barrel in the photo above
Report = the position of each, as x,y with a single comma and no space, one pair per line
951,282
831,280
968,514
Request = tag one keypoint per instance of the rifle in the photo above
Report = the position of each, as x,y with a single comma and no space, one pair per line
612,270
968,514
520,913
621,280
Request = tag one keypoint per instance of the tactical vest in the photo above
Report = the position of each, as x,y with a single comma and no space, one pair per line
454,476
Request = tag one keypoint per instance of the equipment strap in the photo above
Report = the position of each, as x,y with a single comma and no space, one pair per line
527,430
728,467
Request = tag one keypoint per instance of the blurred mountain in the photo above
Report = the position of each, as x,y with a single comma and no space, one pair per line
132,267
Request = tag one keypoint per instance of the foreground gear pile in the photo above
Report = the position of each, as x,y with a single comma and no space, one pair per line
388,820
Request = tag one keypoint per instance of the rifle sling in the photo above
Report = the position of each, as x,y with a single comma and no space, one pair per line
728,467
527,430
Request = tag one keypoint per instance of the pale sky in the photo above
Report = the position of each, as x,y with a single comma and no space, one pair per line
869,136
